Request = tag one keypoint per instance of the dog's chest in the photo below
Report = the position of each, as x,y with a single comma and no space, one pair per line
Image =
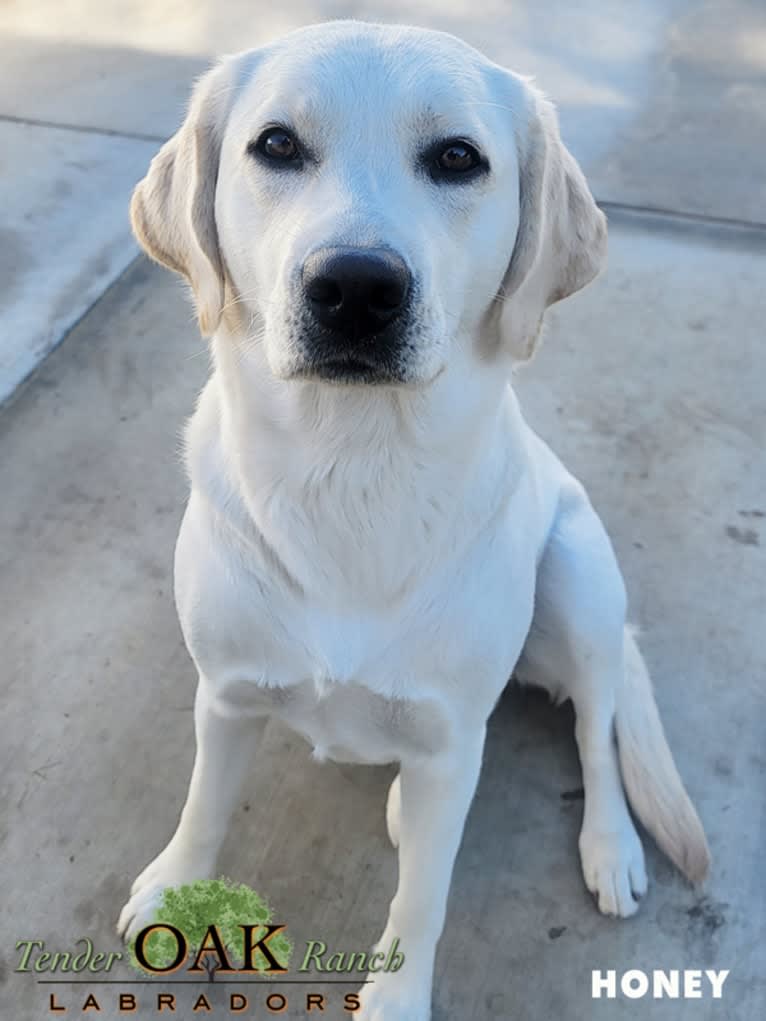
347,722
367,684
378,688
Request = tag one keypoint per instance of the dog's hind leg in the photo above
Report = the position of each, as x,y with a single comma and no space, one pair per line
393,810
579,647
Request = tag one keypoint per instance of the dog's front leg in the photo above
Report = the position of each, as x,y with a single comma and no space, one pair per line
434,797
225,742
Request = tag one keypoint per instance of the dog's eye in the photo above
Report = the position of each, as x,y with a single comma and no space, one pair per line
455,159
276,145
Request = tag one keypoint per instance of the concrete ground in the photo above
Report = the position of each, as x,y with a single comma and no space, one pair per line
650,385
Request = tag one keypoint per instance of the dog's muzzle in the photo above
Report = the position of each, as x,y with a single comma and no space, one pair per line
356,299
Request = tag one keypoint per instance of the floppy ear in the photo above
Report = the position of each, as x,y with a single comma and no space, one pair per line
173,209
561,240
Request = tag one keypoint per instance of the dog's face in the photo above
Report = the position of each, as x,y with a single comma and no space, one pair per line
368,193
367,198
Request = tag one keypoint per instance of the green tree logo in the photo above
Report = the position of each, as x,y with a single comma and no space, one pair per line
197,908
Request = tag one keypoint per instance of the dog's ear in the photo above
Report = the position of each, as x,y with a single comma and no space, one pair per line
561,239
173,208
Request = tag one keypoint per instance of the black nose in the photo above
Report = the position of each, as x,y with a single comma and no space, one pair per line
356,292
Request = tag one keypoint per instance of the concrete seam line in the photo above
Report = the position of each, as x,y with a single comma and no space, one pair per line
701,219
34,122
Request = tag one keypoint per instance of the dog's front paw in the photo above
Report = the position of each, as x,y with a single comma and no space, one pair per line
386,997
170,868
614,869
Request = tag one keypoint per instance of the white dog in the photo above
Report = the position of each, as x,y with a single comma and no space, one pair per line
373,220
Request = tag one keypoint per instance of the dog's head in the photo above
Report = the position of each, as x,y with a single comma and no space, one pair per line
365,198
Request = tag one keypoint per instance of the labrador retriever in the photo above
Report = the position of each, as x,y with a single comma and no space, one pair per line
373,220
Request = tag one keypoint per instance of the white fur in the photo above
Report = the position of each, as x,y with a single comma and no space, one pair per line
370,564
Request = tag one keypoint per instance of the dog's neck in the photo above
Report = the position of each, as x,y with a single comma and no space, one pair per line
356,489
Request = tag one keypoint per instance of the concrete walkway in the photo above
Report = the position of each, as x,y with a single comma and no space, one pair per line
650,385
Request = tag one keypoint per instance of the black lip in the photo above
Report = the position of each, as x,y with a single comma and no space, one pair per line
349,370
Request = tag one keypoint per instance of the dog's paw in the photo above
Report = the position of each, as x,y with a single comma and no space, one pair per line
388,998
167,870
614,869
393,810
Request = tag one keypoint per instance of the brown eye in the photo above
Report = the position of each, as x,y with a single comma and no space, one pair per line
277,146
458,158
455,160
280,146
